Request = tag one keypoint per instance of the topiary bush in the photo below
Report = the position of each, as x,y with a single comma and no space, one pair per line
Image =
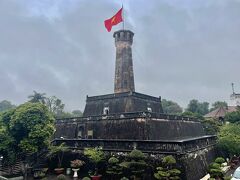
114,170
135,164
61,177
215,171
219,160
86,178
169,170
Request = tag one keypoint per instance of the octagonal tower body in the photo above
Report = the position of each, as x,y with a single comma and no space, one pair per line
124,77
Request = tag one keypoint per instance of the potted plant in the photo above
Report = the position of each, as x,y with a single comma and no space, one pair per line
95,155
113,169
135,163
76,164
57,151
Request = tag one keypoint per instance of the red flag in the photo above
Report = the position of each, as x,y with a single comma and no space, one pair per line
117,18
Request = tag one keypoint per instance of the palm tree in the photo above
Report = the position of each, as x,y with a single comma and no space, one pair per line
37,97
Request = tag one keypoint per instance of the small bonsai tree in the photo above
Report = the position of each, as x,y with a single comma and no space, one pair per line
169,170
113,169
57,151
86,178
61,177
219,160
135,163
96,155
214,168
77,163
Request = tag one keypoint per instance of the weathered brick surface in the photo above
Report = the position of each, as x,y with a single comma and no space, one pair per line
124,77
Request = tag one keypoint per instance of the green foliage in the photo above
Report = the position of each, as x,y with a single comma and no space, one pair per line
161,175
113,160
170,107
169,160
28,128
113,169
77,113
195,106
55,106
218,104
211,126
135,163
227,178
124,178
7,147
136,155
219,160
168,171
37,97
57,151
233,117
192,115
214,168
32,126
229,139
61,177
94,154
174,172
86,178
6,105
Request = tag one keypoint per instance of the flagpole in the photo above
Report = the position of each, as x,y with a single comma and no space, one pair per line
123,15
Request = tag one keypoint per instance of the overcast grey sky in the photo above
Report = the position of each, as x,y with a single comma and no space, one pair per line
183,49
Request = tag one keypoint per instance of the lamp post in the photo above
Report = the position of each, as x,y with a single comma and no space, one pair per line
1,158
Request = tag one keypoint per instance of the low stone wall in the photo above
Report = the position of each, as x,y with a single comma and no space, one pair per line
196,163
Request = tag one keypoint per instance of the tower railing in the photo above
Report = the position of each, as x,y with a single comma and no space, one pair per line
129,115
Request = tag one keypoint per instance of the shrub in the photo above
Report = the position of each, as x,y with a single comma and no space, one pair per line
169,160
113,160
219,160
86,178
215,170
124,178
61,177
136,155
214,166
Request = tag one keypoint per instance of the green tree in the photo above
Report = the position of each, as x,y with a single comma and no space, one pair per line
114,169
195,106
229,138
7,147
192,115
233,117
218,104
77,113
168,169
55,106
32,126
211,126
96,155
57,151
170,107
135,163
37,97
6,105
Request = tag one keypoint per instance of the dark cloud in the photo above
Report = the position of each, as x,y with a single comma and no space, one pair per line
181,50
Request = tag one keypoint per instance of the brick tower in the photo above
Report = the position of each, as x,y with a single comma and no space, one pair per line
124,78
